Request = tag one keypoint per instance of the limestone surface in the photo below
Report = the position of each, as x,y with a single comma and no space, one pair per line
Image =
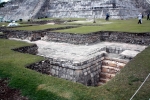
78,53
90,9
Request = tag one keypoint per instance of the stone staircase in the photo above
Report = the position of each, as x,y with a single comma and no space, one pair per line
110,67
38,7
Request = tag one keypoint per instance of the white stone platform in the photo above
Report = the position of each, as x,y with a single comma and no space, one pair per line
77,53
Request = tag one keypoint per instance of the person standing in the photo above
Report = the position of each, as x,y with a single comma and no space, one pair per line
140,18
148,16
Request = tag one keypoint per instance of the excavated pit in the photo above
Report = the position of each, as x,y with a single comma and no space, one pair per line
91,65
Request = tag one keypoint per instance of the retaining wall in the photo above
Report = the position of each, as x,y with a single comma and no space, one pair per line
86,72
125,37
73,38
30,35
33,49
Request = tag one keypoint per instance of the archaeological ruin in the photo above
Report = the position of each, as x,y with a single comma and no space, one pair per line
90,59
89,9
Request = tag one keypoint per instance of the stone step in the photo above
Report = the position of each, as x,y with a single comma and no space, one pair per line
103,80
113,64
117,60
109,69
121,65
109,63
107,75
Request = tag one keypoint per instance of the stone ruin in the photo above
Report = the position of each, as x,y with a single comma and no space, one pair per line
90,63
90,9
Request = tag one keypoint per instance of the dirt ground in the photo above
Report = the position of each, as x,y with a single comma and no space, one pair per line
7,93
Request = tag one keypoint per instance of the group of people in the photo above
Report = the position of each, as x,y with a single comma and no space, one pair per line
140,16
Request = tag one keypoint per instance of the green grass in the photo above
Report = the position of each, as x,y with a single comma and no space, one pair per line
100,25
116,25
3,23
42,87
38,27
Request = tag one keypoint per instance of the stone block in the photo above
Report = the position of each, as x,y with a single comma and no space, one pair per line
121,65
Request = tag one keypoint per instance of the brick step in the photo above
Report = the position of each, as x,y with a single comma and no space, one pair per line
103,80
109,69
113,64
107,75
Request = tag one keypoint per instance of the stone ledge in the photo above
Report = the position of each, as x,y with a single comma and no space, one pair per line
33,49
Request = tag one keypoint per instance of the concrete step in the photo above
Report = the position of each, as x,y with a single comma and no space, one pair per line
109,69
107,75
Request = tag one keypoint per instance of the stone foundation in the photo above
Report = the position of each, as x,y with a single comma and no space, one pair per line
83,39
92,67
95,37
33,49
87,72
3,37
93,71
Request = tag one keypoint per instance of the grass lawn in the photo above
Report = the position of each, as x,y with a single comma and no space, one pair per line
2,23
100,25
42,87
38,27
115,25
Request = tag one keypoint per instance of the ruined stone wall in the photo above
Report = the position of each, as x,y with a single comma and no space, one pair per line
3,37
85,72
33,49
95,37
29,35
125,37
72,38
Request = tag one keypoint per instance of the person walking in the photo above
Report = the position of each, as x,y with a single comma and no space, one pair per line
140,18
107,17
148,16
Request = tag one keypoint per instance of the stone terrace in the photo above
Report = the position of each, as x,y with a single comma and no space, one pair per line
90,65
